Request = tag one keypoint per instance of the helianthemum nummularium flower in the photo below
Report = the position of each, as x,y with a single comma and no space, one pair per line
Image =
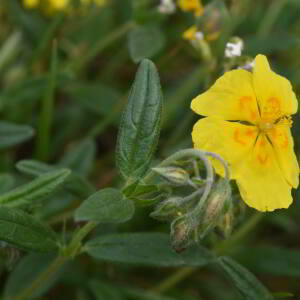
248,123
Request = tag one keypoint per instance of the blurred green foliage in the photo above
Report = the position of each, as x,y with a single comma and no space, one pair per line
64,81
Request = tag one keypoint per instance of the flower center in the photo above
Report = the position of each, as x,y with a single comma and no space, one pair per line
265,126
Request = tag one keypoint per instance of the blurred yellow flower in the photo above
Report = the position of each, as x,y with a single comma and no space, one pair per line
59,4
31,3
97,2
100,2
192,34
248,123
194,6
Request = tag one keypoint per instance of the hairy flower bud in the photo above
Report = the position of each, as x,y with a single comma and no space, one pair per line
168,209
175,175
180,233
215,206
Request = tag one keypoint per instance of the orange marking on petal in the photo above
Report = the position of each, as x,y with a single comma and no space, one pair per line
262,160
237,137
285,142
262,143
253,115
271,108
250,132
244,102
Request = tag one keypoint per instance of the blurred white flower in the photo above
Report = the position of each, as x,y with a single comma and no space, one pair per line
234,47
167,7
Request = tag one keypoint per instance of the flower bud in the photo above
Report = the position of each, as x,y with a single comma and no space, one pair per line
215,206
226,224
246,63
175,175
168,209
180,233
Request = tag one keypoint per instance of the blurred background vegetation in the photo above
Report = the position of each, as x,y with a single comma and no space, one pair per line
65,73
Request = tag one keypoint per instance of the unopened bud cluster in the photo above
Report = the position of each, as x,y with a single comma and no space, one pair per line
194,215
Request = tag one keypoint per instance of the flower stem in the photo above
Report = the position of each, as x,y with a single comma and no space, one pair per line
69,252
219,249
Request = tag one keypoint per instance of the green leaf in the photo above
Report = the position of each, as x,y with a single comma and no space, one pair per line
74,183
272,260
280,295
27,90
105,291
13,134
244,281
80,157
34,190
95,97
145,41
22,230
140,124
152,249
140,294
20,278
7,182
106,206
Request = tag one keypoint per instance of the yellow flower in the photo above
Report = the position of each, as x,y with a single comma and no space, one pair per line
190,33
31,3
191,5
256,139
97,2
59,4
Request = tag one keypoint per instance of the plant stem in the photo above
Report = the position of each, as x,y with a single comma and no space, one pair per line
75,244
220,249
45,120
69,252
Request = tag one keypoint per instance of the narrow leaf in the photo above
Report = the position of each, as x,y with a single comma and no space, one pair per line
101,290
272,260
244,281
80,157
106,206
22,230
13,134
7,182
34,190
140,124
91,96
151,249
20,278
74,183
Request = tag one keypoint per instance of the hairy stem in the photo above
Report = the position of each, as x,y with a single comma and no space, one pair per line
69,252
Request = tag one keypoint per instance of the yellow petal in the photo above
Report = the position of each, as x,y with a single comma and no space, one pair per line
31,3
260,180
283,145
232,97
231,140
274,93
